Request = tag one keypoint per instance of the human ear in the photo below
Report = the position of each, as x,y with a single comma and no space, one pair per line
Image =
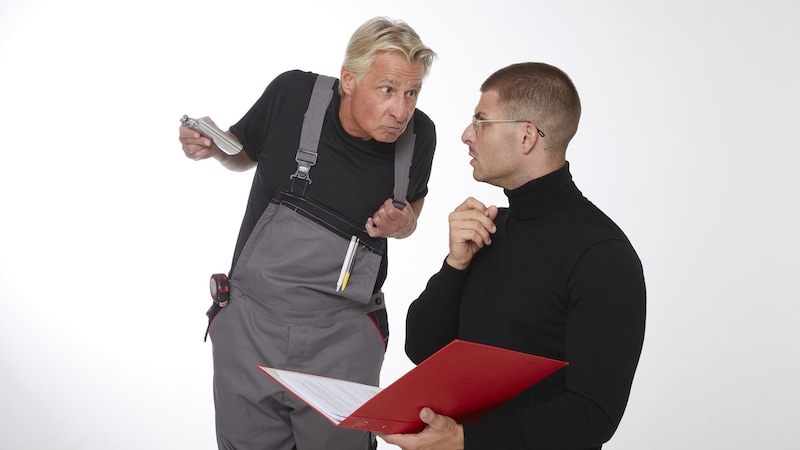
529,137
347,80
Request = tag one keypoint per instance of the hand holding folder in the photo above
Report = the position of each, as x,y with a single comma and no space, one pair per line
463,380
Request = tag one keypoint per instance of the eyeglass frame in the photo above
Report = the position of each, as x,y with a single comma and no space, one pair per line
476,121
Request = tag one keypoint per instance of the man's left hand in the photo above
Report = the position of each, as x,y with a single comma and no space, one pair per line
441,433
388,221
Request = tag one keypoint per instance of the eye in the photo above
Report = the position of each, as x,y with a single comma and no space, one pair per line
412,94
387,89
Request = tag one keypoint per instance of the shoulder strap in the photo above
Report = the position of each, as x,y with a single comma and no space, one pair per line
312,128
403,151
309,142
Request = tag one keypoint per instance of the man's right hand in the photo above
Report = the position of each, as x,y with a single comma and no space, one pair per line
471,227
195,145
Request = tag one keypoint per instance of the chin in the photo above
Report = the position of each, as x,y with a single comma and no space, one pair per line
476,176
385,137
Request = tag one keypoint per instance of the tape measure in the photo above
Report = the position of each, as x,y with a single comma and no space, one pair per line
220,289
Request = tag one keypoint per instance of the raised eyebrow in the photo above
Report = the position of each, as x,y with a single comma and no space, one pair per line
394,83
391,81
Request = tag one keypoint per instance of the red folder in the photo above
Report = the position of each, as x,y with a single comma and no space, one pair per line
464,380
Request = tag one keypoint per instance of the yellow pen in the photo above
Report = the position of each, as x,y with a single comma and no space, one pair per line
344,274
352,256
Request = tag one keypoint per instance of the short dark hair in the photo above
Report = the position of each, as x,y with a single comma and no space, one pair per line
541,93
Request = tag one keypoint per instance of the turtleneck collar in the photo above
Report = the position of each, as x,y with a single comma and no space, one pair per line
543,195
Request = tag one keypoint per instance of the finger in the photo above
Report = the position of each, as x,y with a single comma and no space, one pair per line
197,154
188,136
372,230
435,422
427,415
390,213
491,212
472,239
471,203
472,208
472,220
388,217
200,141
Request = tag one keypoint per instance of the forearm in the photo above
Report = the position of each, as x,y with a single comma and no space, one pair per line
239,162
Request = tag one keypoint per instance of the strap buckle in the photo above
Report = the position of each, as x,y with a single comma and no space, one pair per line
306,159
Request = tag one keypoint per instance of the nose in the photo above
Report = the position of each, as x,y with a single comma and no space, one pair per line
468,135
400,109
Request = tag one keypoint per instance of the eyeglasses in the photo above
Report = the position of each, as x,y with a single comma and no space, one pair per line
476,121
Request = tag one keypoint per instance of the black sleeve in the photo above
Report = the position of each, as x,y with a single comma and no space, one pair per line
252,129
432,320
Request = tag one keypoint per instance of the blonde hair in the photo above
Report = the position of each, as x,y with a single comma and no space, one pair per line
382,34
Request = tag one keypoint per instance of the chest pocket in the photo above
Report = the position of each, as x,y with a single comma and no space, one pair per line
298,250
300,247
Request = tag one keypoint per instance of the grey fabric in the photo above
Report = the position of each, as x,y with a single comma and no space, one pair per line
293,252
256,413
285,311
403,151
312,126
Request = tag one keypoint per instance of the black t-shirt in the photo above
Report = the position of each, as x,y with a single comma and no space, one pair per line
352,176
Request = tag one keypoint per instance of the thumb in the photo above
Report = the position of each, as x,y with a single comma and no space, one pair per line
427,415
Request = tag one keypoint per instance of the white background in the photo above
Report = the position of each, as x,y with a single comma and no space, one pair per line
108,233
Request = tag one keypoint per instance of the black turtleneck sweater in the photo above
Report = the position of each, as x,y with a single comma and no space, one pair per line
559,280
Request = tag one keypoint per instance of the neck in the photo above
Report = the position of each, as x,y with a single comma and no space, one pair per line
348,122
536,171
